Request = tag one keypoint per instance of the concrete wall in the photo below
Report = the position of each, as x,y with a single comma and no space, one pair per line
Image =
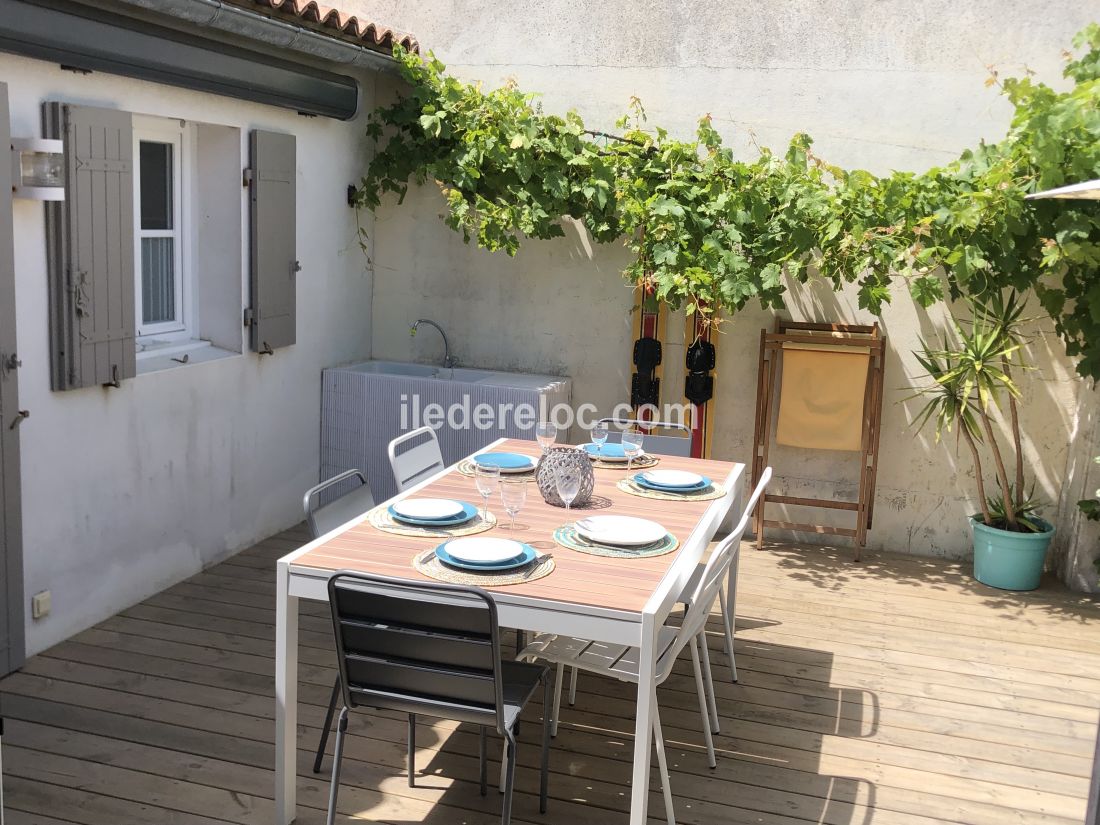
880,85
126,491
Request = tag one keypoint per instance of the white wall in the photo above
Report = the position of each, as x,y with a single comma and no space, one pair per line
880,84
126,491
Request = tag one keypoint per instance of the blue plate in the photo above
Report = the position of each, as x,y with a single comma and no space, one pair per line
506,461
606,451
528,555
642,481
468,512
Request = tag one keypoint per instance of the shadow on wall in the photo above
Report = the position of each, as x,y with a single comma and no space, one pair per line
926,489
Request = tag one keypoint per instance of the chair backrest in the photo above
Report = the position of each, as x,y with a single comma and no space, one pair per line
674,445
418,647
412,464
701,601
337,501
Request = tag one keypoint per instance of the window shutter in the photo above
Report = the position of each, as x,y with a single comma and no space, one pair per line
91,249
274,258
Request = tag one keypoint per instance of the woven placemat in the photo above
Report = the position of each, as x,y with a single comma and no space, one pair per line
642,462
380,518
428,563
468,468
628,485
567,536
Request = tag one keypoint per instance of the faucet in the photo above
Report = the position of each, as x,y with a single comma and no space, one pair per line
449,362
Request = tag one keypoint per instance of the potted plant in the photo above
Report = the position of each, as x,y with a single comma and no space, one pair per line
972,377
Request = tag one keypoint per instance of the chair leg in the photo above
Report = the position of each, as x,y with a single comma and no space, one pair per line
544,779
559,677
708,677
483,754
727,626
412,749
328,724
574,675
337,758
509,778
703,711
662,763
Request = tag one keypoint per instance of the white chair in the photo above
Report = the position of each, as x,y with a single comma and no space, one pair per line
413,464
622,661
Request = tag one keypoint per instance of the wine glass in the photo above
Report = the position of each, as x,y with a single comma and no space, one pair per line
568,483
599,436
632,446
513,495
546,434
486,478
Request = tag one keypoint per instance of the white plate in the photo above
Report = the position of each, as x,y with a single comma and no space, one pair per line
625,531
478,550
672,478
428,508
508,470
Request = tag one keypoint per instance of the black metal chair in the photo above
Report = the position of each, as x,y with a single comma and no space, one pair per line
431,649
328,505
674,445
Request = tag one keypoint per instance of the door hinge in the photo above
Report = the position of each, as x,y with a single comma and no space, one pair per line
248,316
246,177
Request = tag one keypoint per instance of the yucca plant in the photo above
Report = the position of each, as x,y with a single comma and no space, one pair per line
972,377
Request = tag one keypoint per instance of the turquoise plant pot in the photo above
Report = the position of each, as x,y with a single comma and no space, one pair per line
1007,560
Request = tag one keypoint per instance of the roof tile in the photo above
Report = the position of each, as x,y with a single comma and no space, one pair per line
333,22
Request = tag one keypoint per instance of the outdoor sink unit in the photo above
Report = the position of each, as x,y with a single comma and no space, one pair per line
366,405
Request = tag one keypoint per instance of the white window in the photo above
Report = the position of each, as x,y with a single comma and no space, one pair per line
161,259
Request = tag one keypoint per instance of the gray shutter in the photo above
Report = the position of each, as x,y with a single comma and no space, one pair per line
11,517
91,248
274,258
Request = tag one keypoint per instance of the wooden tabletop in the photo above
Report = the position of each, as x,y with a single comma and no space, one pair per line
620,584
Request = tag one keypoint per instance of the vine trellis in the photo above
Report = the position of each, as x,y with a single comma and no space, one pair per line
709,232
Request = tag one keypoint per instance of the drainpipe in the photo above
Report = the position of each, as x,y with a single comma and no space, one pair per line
215,14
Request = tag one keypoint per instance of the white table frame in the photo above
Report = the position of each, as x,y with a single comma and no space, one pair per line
528,613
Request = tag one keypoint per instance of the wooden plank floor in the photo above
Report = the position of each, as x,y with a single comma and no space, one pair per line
897,692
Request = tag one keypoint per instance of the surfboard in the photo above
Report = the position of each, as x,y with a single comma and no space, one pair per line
702,418
651,320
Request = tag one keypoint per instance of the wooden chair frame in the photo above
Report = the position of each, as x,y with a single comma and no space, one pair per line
858,337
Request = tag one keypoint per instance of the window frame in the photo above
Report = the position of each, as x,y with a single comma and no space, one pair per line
175,133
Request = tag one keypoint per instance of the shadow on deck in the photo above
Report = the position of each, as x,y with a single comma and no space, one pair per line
898,692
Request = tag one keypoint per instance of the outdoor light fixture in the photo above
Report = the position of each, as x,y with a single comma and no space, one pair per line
1087,191
38,169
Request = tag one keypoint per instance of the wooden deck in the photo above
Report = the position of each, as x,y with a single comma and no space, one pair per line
896,692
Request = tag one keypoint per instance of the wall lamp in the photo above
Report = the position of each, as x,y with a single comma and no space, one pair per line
38,169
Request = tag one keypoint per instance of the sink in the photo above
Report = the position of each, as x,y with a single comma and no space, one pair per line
396,368
365,405
464,375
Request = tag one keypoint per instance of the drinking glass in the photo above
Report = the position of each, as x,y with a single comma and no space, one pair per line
599,436
513,495
546,434
632,446
486,479
568,482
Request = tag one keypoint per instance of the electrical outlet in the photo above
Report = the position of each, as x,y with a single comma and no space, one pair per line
40,604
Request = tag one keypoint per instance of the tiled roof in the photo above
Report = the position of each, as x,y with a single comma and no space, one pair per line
332,22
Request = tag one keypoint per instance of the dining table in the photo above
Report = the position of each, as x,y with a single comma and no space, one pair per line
605,599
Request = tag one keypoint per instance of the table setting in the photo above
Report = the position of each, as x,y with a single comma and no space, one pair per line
622,537
564,477
671,485
553,561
